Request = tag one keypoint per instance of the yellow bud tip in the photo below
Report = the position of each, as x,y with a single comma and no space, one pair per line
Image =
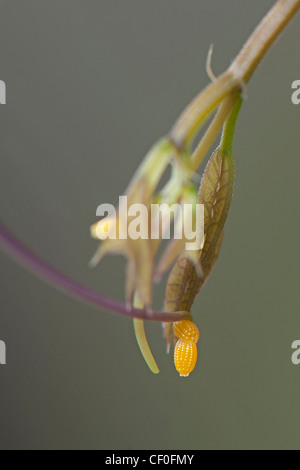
102,228
93,230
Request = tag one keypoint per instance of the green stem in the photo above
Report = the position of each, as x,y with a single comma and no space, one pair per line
229,128
210,135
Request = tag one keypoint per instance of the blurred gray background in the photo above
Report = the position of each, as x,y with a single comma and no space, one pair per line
91,85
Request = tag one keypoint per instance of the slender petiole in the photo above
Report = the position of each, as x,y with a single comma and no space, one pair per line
139,329
213,130
229,128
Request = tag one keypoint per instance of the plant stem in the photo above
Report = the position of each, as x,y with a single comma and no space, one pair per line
229,128
140,334
213,130
221,91
33,263
236,76
196,113
263,37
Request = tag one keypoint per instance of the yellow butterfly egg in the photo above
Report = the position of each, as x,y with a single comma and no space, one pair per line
185,353
186,330
185,357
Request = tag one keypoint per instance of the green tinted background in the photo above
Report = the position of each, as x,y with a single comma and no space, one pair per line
91,85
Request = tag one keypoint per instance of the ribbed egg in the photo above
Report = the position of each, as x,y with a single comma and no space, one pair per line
185,357
186,330
185,353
